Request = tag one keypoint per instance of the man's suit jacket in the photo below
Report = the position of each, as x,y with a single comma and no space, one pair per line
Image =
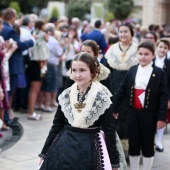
97,36
16,61
156,96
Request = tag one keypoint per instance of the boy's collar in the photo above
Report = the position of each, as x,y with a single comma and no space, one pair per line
151,64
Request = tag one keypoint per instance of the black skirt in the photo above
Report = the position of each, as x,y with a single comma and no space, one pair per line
75,149
116,78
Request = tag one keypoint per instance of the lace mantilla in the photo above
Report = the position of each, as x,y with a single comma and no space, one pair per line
113,56
97,101
104,72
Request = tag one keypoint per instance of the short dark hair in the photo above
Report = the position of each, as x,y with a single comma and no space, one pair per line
25,21
53,19
165,41
130,26
8,14
89,60
151,27
147,44
98,23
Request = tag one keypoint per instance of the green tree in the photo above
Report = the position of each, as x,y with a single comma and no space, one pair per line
15,5
109,16
26,6
120,8
76,10
55,12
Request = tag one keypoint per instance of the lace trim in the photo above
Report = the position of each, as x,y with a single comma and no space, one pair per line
123,164
104,72
47,156
104,88
114,59
97,102
99,152
64,101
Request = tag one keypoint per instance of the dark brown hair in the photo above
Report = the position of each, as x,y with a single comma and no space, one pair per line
93,45
130,26
153,34
17,29
165,41
73,28
8,14
39,24
148,45
89,60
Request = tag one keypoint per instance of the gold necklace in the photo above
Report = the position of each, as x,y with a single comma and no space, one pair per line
123,54
81,98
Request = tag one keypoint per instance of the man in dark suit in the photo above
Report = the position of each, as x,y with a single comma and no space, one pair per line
97,36
16,66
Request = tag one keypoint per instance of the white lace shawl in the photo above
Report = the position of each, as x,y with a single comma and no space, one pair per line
97,101
114,59
104,72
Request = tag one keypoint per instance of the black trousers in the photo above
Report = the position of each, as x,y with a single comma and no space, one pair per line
141,131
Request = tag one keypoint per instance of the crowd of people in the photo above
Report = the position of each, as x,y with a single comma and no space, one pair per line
112,76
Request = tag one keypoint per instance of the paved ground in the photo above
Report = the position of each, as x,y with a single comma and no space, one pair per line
23,155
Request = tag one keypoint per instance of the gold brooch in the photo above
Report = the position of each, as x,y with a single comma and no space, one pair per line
79,106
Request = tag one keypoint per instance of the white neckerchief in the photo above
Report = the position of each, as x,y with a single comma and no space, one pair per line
160,61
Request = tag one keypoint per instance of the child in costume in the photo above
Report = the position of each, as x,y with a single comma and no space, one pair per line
163,62
146,92
75,141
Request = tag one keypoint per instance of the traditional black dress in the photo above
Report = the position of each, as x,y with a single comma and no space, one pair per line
119,65
75,141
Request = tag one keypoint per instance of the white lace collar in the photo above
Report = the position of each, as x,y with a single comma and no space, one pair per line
97,101
104,72
113,56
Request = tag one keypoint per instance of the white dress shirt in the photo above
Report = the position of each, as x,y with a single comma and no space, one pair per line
142,79
159,62
25,35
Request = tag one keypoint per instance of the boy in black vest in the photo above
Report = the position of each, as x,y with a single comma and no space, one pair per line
146,91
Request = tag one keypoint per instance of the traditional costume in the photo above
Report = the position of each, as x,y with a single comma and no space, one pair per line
163,63
119,63
146,93
75,141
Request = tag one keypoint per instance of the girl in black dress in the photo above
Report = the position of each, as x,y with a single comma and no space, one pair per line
75,141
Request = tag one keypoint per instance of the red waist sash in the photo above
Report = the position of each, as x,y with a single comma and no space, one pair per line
136,101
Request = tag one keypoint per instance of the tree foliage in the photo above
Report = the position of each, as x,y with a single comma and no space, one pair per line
77,8
54,12
109,16
26,6
15,5
120,8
